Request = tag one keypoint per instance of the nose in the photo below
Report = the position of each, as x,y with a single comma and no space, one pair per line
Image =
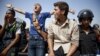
35,7
86,22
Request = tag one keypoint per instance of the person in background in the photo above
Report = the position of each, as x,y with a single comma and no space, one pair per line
1,45
96,28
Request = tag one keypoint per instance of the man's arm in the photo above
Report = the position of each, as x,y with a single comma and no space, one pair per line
16,9
97,31
50,40
43,34
40,31
74,41
72,50
50,46
14,41
2,30
25,48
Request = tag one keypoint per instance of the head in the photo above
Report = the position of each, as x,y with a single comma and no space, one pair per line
23,25
61,9
37,8
0,26
10,14
96,26
85,17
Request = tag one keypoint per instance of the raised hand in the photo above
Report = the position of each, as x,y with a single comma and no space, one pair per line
5,20
9,6
72,11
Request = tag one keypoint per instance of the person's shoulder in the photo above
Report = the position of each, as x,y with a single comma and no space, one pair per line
19,22
28,13
44,13
73,21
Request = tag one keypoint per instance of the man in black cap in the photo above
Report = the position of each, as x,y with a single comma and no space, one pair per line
87,35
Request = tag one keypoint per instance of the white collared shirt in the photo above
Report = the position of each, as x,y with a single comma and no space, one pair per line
64,35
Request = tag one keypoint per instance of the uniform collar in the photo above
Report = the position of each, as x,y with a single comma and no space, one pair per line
90,29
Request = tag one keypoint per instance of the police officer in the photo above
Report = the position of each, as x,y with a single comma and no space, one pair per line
87,36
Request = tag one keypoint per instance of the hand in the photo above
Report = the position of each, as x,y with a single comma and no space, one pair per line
36,24
97,32
72,11
3,53
9,5
5,20
52,12
68,55
51,54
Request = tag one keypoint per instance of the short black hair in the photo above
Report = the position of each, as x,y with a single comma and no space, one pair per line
11,11
0,26
62,6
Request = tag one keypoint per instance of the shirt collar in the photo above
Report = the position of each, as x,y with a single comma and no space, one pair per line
64,24
90,29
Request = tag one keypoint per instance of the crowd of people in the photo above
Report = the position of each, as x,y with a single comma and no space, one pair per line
62,37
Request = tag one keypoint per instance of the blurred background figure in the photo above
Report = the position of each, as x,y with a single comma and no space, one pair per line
96,28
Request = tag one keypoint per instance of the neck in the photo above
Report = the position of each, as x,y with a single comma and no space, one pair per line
11,21
62,20
37,13
85,28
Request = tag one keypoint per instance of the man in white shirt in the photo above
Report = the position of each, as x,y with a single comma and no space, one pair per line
63,33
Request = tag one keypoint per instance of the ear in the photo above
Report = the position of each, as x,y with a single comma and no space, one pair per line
63,12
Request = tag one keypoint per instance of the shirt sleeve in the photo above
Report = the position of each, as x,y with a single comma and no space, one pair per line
27,15
50,31
75,35
47,14
18,31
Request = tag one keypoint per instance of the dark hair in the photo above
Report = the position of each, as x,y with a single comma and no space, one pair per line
62,6
95,26
11,11
0,26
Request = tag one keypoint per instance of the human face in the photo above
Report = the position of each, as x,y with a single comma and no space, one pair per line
37,8
57,13
86,22
9,16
